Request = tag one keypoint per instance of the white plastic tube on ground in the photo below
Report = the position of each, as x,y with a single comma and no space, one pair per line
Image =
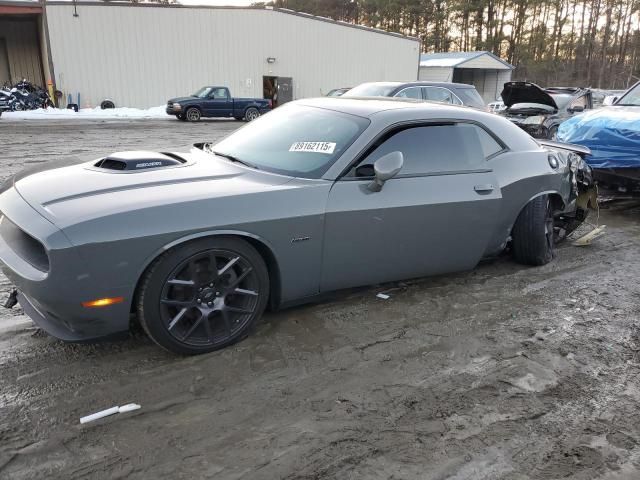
110,411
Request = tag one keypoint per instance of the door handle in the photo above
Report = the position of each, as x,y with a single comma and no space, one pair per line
487,188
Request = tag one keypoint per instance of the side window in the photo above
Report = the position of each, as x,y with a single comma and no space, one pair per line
434,148
439,94
412,92
219,93
580,102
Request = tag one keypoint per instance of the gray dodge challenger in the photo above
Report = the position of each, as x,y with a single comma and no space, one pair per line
316,196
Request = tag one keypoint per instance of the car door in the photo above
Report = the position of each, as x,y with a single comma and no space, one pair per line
436,215
219,103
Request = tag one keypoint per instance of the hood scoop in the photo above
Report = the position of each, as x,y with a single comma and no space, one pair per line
137,161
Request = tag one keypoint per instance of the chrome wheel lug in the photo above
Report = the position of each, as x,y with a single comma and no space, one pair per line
211,284
199,300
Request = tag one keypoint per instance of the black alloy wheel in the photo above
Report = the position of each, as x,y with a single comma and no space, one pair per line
196,300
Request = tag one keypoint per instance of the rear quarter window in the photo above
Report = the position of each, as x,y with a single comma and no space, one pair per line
471,97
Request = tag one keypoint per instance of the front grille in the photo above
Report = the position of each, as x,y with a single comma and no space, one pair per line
27,247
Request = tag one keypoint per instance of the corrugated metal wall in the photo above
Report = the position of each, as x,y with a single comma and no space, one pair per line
488,82
140,56
22,48
435,74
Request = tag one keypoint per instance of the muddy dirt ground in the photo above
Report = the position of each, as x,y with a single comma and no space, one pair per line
504,372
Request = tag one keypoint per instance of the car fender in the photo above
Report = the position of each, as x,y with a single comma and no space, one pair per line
272,263
252,105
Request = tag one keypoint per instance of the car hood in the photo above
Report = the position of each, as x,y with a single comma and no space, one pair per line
74,190
526,92
183,99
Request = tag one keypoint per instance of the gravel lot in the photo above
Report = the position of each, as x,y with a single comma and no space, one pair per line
505,372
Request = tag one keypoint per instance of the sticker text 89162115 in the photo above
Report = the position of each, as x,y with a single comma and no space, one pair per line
313,147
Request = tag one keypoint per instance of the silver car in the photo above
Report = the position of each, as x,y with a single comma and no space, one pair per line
315,196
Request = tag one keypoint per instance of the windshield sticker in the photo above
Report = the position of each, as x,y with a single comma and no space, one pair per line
314,147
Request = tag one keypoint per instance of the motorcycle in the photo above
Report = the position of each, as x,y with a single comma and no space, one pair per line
24,95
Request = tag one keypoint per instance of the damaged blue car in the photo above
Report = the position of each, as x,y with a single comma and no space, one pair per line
613,136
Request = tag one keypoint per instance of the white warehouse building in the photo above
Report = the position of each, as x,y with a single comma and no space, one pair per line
140,55
487,72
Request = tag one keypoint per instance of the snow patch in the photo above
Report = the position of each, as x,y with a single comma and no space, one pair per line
87,113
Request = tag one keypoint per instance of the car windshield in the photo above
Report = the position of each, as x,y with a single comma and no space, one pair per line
372,90
632,97
203,92
295,140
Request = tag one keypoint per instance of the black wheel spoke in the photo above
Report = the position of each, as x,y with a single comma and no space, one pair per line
244,311
241,277
194,272
242,291
207,328
176,281
178,303
227,321
227,266
177,318
193,327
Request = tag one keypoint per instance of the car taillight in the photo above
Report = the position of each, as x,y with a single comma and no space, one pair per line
270,103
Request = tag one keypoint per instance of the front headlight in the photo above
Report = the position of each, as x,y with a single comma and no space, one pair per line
177,106
535,120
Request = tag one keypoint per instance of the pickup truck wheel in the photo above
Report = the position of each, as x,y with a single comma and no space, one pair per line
193,114
251,114
533,233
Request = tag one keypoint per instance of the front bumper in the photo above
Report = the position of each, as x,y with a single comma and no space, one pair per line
53,299
173,110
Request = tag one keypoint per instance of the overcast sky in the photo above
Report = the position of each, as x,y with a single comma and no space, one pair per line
217,2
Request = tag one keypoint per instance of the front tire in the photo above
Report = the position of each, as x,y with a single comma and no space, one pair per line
193,114
204,295
182,117
533,233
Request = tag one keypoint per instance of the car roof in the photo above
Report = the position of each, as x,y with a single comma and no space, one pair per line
421,84
368,106
566,90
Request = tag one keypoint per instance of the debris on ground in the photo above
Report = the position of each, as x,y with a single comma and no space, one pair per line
129,407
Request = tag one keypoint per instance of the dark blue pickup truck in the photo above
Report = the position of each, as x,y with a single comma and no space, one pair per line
217,102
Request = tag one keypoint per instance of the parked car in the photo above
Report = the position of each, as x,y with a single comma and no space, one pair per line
319,195
338,92
540,111
217,102
612,134
453,93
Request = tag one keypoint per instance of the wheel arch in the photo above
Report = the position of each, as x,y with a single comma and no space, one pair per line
246,109
556,199
263,247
